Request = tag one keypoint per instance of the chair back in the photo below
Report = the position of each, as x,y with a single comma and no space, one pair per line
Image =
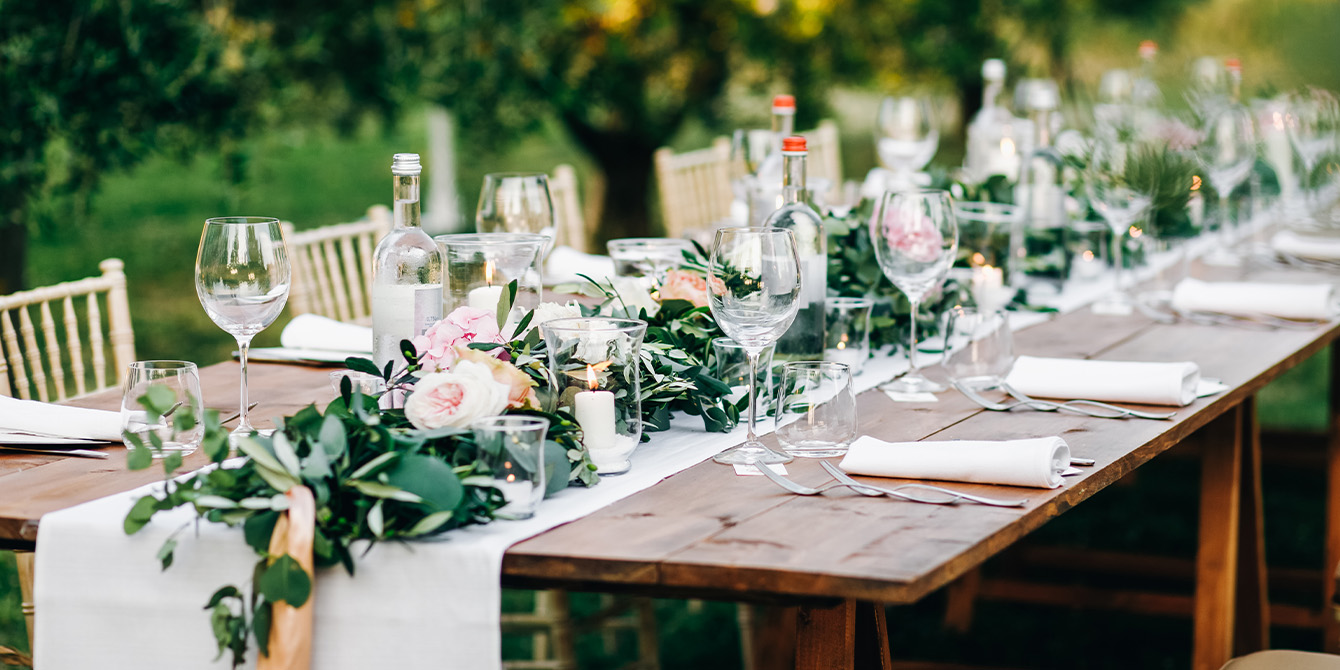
825,159
569,225
332,267
695,187
49,360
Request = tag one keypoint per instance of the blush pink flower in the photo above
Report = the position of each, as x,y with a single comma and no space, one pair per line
915,235
465,324
685,285
468,392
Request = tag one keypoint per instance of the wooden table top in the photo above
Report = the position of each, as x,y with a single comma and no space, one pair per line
709,533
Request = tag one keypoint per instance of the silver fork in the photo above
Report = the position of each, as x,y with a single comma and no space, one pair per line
800,489
1040,405
841,476
1074,404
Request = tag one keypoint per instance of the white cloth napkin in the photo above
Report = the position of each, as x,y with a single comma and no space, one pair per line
1289,301
1111,381
1036,462
24,418
1306,246
564,263
310,331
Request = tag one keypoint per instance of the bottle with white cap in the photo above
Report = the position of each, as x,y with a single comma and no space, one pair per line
993,147
406,271
804,340
765,197
1041,191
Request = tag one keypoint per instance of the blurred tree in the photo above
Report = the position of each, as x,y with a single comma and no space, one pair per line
94,85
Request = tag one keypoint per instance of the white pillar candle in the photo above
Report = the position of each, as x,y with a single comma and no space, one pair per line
486,298
988,287
854,357
595,414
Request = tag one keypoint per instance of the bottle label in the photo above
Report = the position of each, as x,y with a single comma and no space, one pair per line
402,312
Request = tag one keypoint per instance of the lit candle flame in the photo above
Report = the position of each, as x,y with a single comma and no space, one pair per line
1195,182
591,377
511,478
488,272
978,259
1007,146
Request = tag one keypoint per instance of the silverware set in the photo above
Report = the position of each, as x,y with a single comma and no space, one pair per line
1092,408
920,493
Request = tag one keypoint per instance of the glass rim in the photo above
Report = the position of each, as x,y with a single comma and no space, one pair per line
163,364
917,191
241,221
678,241
488,239
611,324
815,365
505,421
847,301
515,174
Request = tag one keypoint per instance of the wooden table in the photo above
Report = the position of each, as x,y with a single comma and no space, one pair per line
708,533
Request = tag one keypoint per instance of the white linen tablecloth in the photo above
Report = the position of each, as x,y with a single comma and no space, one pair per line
1111,381
1036,462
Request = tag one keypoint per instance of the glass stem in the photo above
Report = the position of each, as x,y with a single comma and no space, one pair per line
243,423
1118,247
912,344
1224,230
753,392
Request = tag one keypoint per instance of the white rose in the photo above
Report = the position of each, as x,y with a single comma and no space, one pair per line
633,295
455,398
547,311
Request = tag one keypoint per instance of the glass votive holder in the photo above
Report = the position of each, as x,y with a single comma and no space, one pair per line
1088,250
847,335
479,266
511,455
361,382
984,234
174,390
730,364
595,363
816,409
978,346
647,256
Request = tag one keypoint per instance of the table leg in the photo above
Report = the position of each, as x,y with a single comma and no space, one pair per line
1252,632
850,635
1217,553
1329,576
24,559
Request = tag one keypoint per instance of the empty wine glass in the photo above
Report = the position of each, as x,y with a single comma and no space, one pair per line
516,202
905,137
915,235
1227,150
242,278
753,288
1117,193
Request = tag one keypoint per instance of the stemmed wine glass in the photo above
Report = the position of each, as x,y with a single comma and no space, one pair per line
1115,192
1227,151
754,291
905,138
915,235
516,202
242,278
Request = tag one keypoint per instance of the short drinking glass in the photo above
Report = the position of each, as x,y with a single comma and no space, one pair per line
816,409
979,349
847,332
511,454
180,426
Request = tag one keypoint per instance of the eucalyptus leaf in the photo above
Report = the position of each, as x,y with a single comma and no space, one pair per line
363,365
428,478
284,580
385,491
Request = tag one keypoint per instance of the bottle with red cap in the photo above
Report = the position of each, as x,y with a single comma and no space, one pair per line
770,168
804,340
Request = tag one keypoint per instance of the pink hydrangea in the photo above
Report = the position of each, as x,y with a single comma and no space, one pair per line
916,236
464,325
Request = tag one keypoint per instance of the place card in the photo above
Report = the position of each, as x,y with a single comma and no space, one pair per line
897,396
751,470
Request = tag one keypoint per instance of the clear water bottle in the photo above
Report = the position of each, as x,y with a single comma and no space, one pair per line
764,198
804,340
406,271
1040,233
994,142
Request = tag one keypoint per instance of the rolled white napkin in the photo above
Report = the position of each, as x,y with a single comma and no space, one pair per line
48,420
564,263
1316,247
310,331
1289,301
1036,462
1112,381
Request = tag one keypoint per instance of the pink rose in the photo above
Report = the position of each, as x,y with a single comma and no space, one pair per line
520,387
685,285
914,234
464,325
468,392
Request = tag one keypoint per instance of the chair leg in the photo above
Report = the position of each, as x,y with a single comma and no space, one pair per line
1331,570
25,563
648,641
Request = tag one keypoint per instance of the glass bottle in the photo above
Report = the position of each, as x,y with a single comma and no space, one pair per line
1146,98
1039,232
765,197
804,340
993,148
406,271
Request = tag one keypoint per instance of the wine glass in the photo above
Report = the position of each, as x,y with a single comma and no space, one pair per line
1116,193
754,291
905,137
915,235
516,202
1227,150
242,278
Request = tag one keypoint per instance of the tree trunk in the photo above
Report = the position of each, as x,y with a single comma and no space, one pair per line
626,161
13,248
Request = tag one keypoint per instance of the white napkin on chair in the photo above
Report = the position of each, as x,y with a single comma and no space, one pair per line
1111,381
21,419
310,331
1289,301
1317,247
564,263
1036,462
